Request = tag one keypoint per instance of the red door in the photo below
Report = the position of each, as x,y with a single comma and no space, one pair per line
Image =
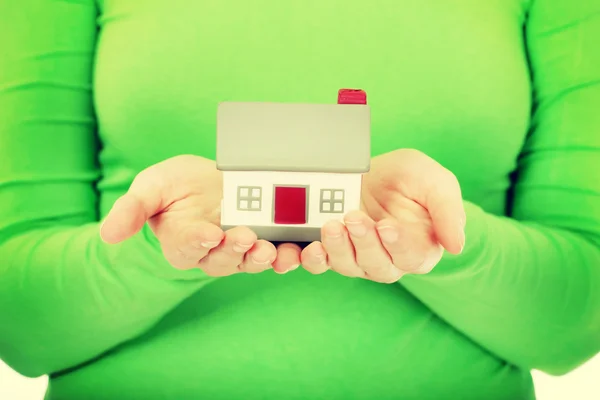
290,205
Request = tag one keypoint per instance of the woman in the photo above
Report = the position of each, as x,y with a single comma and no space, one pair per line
111,100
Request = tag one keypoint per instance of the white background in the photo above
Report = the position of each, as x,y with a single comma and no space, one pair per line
582,384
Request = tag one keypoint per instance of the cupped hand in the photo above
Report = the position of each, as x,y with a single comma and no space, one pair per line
180,200
411,211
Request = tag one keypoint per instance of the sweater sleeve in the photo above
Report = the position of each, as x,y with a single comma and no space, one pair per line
65,296
527,287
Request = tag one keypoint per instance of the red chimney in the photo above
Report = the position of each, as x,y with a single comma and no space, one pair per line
352,96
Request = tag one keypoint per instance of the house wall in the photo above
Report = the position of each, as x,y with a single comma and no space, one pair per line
230,215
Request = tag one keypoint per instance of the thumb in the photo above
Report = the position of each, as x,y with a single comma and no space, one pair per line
436,189
143,200
446,208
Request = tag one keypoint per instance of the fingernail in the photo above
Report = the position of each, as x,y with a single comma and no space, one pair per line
208,245
333,232
255,261
320,258
293,267
462,239
241,248
397,274
423,268
388,234
356,228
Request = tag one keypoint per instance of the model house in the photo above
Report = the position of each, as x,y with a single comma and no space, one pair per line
289,168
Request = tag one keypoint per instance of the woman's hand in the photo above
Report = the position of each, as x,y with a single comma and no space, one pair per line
411,210
180,199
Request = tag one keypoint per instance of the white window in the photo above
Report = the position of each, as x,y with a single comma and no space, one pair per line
249,198
332,201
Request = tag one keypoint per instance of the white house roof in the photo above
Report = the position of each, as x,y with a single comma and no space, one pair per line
293,137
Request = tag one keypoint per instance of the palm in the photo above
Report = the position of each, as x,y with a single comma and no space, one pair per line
195,197
194,207
383,195
180,200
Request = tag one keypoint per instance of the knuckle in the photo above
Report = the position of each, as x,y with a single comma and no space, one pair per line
449,178
152,177
146,176
453,179
415,153
178,159
409,152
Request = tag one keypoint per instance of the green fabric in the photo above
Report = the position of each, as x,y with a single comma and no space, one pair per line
92,93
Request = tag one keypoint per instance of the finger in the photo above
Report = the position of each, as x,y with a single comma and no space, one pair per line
225,259
411,246
288,258
371,256
153,190
184,249
340,252
437,189
444,203
259,258
314,258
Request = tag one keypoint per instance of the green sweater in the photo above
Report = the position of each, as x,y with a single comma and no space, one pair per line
506,94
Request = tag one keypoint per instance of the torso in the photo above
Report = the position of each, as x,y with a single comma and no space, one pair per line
448,78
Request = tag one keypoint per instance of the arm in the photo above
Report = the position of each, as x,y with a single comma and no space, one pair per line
65,296
528,287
